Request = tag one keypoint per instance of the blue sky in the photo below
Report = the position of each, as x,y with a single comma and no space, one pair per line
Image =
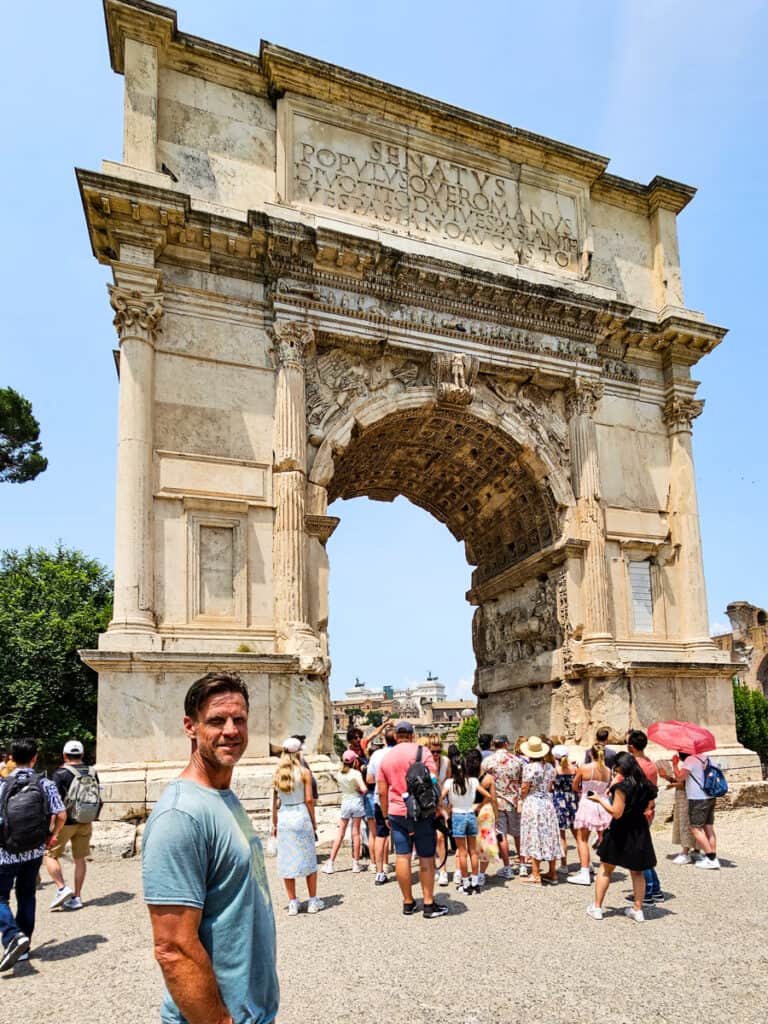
678,89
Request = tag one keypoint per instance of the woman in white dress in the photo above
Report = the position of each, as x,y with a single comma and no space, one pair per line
293,822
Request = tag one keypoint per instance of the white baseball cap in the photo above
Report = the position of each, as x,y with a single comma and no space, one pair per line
73,747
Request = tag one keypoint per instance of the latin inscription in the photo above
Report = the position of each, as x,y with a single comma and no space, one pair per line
417,193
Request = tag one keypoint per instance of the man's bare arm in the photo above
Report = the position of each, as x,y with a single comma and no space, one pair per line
186,965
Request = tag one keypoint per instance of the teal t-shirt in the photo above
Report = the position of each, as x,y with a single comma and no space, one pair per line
200,850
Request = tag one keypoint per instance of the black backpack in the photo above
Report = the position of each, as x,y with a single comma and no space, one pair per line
421,798
25,819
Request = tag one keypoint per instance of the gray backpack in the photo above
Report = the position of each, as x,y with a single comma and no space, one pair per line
83,800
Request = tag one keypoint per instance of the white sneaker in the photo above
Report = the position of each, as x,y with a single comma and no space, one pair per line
580,877
481,878
442,878
636,915
682,858
74,904
61,897
355,867
328,868
457,877
314,904
707,865
293,908
596,912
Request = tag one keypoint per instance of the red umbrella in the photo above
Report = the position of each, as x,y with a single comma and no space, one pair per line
683,736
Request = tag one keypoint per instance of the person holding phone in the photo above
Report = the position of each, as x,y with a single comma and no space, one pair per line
627,841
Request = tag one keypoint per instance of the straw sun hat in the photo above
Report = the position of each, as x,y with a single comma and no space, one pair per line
534,748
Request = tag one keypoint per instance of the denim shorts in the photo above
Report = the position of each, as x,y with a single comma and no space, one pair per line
464,824
368,804
407,834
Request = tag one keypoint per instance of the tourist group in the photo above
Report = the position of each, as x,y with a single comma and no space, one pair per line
496,804
204,876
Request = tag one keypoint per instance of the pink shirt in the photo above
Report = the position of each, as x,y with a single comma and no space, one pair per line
393,767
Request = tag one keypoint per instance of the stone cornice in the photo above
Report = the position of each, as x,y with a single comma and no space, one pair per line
540,562
178,661
303,266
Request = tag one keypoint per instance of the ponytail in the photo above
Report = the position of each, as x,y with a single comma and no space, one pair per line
458,775
565,764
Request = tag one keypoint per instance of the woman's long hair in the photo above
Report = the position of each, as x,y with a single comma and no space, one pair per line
598,754
640,789
473,759
287,771
458,774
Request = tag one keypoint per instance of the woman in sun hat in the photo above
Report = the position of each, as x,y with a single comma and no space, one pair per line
353,790
295,827
539,833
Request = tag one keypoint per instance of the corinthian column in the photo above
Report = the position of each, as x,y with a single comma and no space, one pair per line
582,397
138,308
679,414
290,540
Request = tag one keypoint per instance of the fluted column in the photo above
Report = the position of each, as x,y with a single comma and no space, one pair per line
290,541
138,307
582,397
679,414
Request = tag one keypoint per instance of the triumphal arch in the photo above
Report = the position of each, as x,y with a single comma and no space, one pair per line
326,286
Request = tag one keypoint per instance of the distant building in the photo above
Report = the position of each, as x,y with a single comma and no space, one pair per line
747,643
423,704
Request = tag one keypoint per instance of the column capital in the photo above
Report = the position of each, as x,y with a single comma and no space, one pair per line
137,313
582,396
292,339
680,412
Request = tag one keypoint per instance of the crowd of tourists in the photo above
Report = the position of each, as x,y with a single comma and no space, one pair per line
507,807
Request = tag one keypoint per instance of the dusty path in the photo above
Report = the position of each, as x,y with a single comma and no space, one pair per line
508,955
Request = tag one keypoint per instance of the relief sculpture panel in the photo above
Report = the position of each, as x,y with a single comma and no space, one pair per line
518,626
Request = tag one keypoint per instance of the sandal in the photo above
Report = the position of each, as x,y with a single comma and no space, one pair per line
529,880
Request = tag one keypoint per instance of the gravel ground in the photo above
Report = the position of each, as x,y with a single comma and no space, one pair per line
510,954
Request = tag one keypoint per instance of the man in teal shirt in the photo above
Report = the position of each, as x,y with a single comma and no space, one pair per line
204,878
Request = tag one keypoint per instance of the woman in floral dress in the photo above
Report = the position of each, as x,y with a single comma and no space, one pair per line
539,833
565,800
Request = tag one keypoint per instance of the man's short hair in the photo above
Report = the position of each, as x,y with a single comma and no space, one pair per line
500,740
637,739
390,736
212,683
602,734
24,750
354,733
484,740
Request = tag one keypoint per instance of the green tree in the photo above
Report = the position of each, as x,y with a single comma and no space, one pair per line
374,718
466,737
20,449
52,603
751,719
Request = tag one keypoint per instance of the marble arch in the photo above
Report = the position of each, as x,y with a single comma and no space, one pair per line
326,285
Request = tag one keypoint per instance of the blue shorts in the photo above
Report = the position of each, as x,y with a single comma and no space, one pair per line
407,834
463,824
368,804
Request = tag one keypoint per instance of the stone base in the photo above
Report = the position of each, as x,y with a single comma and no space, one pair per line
141,698
629,699
130,791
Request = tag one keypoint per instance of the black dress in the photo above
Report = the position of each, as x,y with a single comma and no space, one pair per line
627,840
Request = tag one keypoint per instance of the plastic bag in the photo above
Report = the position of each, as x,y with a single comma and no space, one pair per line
272,846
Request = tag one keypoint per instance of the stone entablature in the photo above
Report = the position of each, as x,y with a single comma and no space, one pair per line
526,380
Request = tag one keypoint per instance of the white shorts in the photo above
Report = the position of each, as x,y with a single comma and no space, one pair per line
352,807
